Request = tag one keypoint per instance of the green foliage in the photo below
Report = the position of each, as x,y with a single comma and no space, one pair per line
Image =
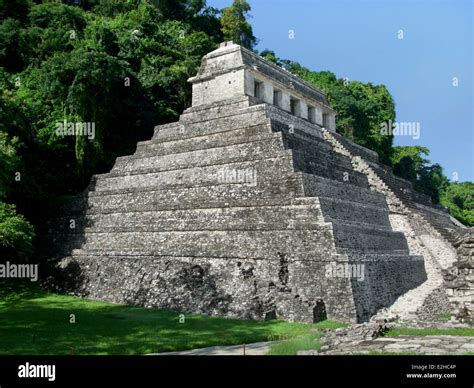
235,26
121,66
10,42
179,9
269,55
16,9
9,162
431,181
459,198
291,347
16,235
309,340
409,163
112,8
52,27
12,127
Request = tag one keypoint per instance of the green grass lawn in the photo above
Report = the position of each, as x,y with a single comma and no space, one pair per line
304,341
290,347
468,331
35,322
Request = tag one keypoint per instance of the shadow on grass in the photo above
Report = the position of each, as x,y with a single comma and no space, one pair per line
35,322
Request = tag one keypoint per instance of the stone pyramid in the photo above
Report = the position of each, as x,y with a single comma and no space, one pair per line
249,206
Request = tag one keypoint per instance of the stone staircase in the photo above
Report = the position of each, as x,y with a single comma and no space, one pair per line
423,224
233,211
434,214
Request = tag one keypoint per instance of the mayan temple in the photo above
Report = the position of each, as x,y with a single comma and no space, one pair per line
252,206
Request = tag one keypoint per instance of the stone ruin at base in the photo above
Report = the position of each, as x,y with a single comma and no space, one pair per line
252,206
459,280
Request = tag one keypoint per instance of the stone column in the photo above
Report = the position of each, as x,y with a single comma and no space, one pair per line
285,101
267,92
311,115
278,99
303,110
332,122
297,107
249,84
318,115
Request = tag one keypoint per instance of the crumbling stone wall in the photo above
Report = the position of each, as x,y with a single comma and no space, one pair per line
460,280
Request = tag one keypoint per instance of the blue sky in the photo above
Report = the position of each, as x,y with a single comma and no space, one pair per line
360,40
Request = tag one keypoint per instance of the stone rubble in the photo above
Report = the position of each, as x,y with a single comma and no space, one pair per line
460,280
368,338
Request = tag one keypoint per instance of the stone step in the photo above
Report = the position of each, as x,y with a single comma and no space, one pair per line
318,186
388,176
444,227
219,139
401,187
437,210
309,158
321,167
374,257
444,222
368,239
168,127
252,116
334,209
146,255
304,216
315,153
244,152
296,133
215,110
241,243
251,172
355,149
278,191
312,144
358,224
348,252
436,219
392,260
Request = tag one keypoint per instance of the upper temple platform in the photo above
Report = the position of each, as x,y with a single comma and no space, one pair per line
232,71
